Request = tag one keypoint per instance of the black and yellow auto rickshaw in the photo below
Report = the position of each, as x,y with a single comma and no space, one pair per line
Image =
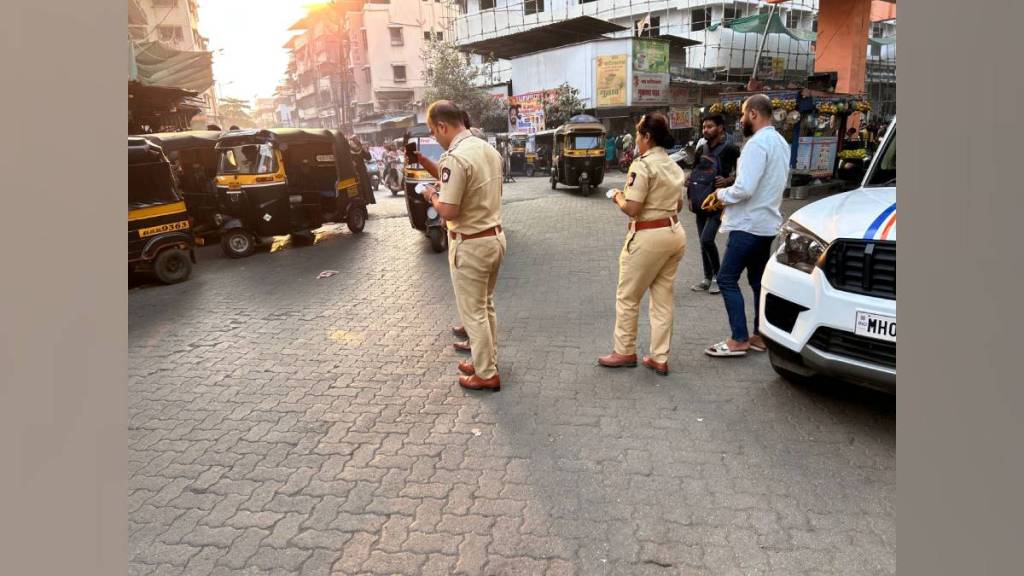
543,144
519,157
579,154
285,181
195,158
421,216
160,238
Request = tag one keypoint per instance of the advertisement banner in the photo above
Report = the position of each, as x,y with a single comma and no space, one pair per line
650,88
680,118
611,80
650,71
682,95
650,56
526,113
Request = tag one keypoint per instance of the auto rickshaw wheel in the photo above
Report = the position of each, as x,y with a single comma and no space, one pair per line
554,181
304,238
356,219
237,243
438,239
173,265
586,188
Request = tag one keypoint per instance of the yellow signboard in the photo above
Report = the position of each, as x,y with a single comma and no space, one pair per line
611,80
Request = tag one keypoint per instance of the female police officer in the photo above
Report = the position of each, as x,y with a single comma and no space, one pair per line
654,246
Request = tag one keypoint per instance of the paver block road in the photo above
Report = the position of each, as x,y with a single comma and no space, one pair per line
281,424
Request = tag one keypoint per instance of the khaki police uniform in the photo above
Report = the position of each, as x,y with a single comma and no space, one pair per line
651,254
471,178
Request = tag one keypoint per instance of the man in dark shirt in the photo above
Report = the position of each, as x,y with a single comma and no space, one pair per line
722,151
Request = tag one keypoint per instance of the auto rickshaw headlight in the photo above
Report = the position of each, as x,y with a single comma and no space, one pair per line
431,212
218,219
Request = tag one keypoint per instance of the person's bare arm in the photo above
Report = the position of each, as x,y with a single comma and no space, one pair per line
629,207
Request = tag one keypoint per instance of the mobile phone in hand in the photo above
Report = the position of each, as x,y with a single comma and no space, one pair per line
410,152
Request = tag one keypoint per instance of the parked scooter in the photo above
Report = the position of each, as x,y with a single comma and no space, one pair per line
393,176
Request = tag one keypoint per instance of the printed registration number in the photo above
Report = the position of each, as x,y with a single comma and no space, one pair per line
154,230
875,326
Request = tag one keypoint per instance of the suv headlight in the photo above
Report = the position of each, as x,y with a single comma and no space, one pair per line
799,247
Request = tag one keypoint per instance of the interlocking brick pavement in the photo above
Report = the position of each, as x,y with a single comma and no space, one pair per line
281,424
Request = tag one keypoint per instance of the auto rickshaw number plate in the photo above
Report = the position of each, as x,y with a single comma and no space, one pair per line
154,230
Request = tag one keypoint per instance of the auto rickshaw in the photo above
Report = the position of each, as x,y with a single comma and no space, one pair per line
543,144
286,181
421,216
160,236
579,154
518,154
194,158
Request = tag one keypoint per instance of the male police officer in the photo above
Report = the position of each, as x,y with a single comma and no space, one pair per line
470,201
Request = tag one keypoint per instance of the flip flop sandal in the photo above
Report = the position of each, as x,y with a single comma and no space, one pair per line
722,350
757,348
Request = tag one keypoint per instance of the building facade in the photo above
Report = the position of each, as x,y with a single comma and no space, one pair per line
720,54
386,40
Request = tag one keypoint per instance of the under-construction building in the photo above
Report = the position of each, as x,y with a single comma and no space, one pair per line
706,46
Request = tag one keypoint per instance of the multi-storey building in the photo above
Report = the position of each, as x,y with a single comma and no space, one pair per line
386,40
716,51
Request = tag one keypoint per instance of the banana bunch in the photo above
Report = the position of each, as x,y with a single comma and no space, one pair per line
731,108
716,108
789,105
858,154
862,106
827,108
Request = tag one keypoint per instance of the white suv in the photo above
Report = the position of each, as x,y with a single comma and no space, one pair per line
828,295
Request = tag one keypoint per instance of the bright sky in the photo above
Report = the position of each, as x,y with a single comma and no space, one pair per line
251,34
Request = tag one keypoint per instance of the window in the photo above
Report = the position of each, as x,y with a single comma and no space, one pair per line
655,29
366,44
487,4
814,25
532,6
792,19
248,159
700,19
366,75
170,34
731,13
399,72
435,36
396,36
587,1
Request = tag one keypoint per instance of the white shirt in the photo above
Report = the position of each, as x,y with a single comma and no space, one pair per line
752,202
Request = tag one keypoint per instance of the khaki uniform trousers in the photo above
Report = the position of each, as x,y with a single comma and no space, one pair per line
648,261
474,268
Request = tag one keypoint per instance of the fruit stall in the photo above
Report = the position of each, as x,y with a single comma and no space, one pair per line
813,122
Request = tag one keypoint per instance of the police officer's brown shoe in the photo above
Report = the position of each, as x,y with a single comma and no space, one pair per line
659,367
475,382
616,360
462,346
460,332
467,368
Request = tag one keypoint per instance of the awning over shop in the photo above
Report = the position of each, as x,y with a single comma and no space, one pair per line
386,123
558,34
161,65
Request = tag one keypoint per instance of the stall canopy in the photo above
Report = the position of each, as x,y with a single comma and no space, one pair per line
756,25
159,65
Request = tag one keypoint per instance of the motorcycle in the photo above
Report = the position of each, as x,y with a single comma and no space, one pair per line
393,176
373,171
627,159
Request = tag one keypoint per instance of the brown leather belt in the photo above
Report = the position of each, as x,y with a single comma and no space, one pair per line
648,224
489,232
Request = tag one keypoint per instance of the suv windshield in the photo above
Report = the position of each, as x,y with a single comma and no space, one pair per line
430,148
885,169
248,159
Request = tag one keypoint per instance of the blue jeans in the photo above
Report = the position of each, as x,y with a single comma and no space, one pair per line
749,252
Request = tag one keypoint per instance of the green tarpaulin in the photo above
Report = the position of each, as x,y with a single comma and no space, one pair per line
161,65
756,24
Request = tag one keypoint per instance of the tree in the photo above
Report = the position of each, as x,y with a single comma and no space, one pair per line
449,76
495,118
234,111
563,104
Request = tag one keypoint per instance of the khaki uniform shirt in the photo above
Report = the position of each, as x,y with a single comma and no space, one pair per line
471,178
657,182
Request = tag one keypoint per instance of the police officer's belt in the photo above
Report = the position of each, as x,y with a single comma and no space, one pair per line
648,224
489,232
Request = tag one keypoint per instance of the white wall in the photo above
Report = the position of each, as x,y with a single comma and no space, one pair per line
572,64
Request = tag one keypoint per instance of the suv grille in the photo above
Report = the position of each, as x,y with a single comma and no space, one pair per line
850,345
862,266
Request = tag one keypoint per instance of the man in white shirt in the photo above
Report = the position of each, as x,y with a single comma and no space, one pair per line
752,219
